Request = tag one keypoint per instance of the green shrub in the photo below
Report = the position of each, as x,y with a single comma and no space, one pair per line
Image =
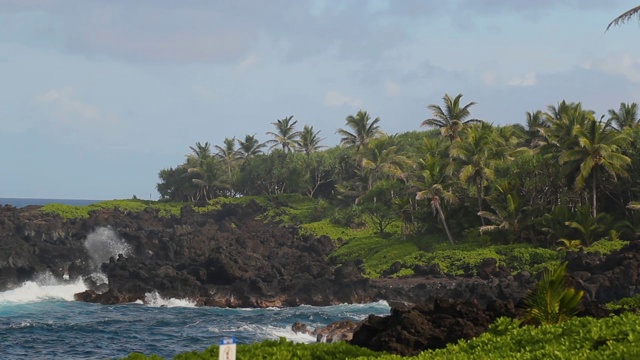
131,205
626,304
606,246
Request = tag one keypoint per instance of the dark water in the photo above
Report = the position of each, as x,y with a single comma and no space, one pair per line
36,322
22,202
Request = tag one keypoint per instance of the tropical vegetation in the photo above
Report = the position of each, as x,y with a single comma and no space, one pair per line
562,178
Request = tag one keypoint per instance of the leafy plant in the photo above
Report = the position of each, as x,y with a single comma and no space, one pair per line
551,302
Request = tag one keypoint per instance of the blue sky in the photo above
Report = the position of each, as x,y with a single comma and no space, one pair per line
97,96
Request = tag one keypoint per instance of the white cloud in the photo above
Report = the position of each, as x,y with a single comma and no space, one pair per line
68,110
249,61
392,88
528,79
205,92
617,64
335,98
489,77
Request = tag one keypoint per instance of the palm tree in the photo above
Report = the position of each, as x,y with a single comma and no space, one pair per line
380,159
199,154
626,116
228,153
625,17
533,130
563,119
250,147
452,119
508,216
598,150
308,141
206,178
285,135
435,185
474,159
364,130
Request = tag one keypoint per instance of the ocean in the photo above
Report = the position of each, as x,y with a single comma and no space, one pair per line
40,320
22,202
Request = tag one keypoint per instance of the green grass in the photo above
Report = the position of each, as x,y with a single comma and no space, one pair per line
77,212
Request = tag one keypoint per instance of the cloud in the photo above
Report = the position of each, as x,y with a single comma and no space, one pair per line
619,64
335,98
67,110
248,62
528,79
392,88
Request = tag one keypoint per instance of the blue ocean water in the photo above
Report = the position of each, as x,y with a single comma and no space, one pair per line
42,322
22,202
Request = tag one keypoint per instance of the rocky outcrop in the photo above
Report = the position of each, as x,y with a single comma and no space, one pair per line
334,332
410,331
231,258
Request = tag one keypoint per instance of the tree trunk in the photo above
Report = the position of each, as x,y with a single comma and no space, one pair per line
479,191
444,223
594,202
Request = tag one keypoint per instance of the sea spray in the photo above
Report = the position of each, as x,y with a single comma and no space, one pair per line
103,243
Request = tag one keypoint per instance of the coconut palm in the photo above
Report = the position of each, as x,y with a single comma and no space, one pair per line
563,119
435,186
452,119
382,158
625,17
249,147
308,141
532,132
199,154
364,130
228,153
285,134
625,117
599,150
474,158
508,216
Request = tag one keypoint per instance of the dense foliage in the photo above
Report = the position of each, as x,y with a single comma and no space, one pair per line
563,178
614,337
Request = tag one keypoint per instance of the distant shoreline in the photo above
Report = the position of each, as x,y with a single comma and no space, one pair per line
22,202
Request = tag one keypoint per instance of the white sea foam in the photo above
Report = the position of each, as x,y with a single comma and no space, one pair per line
45,287
276,333
155,300
262,332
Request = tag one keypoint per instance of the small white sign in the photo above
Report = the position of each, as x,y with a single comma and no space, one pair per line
227,349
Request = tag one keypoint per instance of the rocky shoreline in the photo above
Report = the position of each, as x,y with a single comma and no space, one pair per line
231,258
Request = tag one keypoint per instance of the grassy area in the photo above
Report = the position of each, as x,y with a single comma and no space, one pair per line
132,205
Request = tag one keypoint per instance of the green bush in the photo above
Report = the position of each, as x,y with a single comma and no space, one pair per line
625,304
280,349
132,205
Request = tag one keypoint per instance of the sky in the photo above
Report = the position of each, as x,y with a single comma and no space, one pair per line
97,96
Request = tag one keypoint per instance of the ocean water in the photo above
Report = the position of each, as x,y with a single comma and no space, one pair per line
41,321
22,202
